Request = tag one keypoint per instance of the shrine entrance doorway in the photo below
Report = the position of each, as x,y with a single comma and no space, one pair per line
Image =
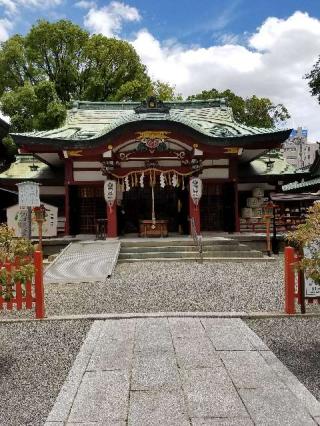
171,204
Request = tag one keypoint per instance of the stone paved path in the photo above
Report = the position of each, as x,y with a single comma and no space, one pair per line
180,371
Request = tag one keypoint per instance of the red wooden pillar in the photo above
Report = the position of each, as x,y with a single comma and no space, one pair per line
68,178
289,280
194,211
236,207
112,221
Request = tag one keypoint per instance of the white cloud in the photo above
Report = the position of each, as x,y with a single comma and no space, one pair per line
109,19
12,7
5,26
84,4
273,64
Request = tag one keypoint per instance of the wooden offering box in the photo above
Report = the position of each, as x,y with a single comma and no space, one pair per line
149,228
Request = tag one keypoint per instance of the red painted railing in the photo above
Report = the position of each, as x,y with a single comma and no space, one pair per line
28,294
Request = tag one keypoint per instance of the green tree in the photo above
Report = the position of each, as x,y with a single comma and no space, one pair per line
313,78
164,91
58,62
254,111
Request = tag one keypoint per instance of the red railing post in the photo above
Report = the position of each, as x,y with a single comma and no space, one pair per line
38,283
289,274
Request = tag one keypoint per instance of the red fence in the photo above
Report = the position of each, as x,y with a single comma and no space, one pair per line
28,294
294,282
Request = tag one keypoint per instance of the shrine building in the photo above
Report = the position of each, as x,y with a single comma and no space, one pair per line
151,150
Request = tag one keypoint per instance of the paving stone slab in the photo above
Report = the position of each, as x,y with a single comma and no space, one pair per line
63,404
210,393
238,421
157,408
112,355
118,329
155,371
196,353
153,334
186,328
248,369
227,336
105,423
291,381
102,397
273,406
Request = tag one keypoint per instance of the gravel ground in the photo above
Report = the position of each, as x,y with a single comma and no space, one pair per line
35,359
156,287
169,287
296,342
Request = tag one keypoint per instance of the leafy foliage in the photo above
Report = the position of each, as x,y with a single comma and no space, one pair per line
254,111
12,248
55,63
308,234
313,78
164,91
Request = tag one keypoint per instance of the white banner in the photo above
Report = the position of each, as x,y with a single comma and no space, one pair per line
110,192
195,189
29,194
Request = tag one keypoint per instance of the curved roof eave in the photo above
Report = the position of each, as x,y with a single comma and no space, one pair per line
274,136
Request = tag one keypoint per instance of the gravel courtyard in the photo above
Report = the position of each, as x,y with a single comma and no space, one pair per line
167,287
35,359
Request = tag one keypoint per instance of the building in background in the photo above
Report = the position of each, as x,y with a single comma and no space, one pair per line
297,150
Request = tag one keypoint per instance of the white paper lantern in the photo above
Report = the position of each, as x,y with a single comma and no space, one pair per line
110,192
196,190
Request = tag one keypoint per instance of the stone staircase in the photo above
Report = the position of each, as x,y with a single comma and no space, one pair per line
214,250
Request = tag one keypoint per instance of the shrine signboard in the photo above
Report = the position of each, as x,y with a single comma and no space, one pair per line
29,194
311,288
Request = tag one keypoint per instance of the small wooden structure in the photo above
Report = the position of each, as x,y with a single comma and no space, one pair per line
153,228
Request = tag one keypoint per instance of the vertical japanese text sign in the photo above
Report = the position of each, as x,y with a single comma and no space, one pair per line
29,194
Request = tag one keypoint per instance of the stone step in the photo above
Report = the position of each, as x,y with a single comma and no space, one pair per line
190,254
206,259
174,243
170,248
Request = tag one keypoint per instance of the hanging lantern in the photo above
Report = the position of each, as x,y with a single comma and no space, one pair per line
195,190
110,192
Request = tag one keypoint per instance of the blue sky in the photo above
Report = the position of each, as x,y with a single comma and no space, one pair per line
250,46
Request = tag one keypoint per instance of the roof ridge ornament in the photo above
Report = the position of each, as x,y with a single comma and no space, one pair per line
152,104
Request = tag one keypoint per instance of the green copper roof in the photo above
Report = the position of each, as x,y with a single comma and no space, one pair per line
20,169
92,120
299,185
272,163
